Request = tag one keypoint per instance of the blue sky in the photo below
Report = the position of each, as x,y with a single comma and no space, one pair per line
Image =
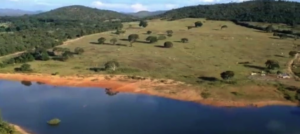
116,5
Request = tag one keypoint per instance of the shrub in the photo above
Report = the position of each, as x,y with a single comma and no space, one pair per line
227,75
78,50
113,41
184,40
132,38
152,39
111,65
224,26
169,33
162,37
198,24
149,32
54,122
24,68
101,40
272,64
143,23
293,53
269,28
168,44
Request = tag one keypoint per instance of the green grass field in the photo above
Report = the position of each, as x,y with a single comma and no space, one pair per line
209,52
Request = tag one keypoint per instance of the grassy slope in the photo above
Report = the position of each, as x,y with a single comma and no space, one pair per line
209,52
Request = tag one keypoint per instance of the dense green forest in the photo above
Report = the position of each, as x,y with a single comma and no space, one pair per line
254,11
28,32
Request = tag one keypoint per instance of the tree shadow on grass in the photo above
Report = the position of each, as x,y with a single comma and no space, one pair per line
255,67
159,46
109,44
274,38
123,39
96,43
96,69
281,56
178,41
210,79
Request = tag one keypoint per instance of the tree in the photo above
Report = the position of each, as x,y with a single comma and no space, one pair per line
293,53
269,28
78,50
184,40
168,44
113,41
227,75
111,65
25,68
132,38
272,64
143,23
224,26
169,33
101,40
198,24
149,32
151,39
162,37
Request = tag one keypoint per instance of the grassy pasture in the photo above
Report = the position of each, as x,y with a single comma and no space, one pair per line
209,52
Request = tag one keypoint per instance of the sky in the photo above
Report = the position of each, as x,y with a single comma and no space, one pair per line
116,5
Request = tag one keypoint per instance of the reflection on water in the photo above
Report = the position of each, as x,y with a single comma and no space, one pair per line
26,83
110,92
92,111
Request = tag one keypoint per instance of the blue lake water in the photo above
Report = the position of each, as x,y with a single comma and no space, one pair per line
92,111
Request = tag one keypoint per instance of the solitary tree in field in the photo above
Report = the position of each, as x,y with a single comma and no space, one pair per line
184,40
25,68
227,75
143,23
168,44
149,32
190,27
78,50
272,64
101,40
111,65
113,41
269,28
293,53
224,26
198,24
132,38
169,33
151,39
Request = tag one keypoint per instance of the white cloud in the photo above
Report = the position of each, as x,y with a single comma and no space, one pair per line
138,7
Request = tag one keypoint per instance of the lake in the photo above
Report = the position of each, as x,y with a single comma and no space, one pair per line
92,111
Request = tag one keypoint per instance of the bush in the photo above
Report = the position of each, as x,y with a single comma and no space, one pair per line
24,68
198,24
227,75
143,23
224,26
162,37
184,40
272,64
113,41
149,32
293,53
168,44
269,28
101,40
54,122
169,33
78,50
111,65
152,39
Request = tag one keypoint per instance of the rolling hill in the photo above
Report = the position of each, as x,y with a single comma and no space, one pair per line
83,13
16,12
142,14
254,11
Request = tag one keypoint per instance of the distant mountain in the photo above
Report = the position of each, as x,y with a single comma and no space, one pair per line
16,12
142,14
78,12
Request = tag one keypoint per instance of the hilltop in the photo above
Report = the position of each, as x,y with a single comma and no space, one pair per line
83,13
142,14
254,11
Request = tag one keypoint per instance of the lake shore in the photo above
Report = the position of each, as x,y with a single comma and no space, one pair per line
121,83
19,129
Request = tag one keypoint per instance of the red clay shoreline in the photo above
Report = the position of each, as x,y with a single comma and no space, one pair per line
122,83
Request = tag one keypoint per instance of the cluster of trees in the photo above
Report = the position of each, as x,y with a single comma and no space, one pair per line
41,54
271,11
50,29
5,128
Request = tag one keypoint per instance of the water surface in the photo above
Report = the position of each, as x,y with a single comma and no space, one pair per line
92,111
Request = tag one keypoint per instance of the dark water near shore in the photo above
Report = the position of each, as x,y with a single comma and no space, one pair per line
92,111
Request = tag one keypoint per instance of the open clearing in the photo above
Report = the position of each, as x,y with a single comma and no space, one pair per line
209,52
